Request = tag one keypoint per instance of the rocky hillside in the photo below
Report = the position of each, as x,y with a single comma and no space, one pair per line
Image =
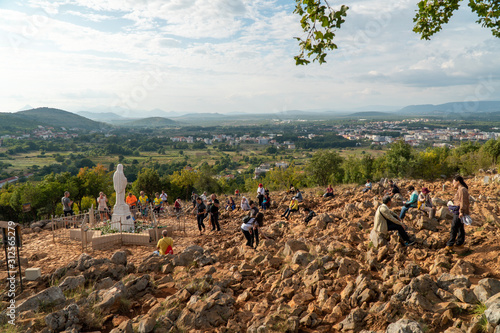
323,277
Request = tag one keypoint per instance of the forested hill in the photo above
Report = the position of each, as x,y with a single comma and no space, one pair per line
151,122
50,117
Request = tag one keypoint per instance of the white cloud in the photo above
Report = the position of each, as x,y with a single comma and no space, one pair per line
225,55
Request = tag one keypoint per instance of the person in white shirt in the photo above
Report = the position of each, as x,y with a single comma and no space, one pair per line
247,228
102,207
164,197
261,191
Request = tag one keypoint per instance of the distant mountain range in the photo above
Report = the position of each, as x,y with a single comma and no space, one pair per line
452,108
87,120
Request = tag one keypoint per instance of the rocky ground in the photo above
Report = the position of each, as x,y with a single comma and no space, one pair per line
323,277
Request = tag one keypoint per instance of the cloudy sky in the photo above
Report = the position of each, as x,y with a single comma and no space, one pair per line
232,56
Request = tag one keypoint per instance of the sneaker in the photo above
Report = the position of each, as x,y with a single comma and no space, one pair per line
409,243
459,247
449,247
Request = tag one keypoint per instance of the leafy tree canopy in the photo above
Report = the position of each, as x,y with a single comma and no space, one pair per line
319,21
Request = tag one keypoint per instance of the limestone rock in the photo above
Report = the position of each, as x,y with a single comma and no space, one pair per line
486,288
72,282
52,295
201,314
63,319
301,258
108,298
446,280
119,258
462,267
404,326
293,246
493,314
124,327
354,321
147,325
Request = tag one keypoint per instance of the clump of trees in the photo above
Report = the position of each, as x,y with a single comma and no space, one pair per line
323,167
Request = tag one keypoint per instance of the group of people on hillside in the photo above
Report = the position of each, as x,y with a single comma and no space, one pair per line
387,220
207,208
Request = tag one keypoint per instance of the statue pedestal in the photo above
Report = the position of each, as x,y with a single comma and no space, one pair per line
122,218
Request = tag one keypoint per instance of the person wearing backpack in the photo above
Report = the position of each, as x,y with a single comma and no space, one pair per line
165,244
247,229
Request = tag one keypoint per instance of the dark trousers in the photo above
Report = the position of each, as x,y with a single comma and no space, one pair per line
288,211
401,231
214,220
457,232
261,198
68,212
249,237
256,237
200,218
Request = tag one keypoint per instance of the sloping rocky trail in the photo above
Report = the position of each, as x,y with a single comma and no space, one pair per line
323,277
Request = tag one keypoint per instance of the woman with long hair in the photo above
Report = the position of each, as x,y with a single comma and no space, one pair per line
461,200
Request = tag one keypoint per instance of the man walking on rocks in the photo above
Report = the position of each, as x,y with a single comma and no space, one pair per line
387,220
201,210
214,213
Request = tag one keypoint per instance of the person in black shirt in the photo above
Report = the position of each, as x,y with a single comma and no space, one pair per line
201,210
310,215
393,188
214,213
253,209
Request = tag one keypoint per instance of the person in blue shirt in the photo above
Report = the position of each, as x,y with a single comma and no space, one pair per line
412,203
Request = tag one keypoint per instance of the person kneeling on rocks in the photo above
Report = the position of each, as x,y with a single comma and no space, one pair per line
309,216
387,220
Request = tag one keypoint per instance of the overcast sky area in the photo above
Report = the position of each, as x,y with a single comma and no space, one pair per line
233,56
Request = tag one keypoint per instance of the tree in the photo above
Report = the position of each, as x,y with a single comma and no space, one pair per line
319,21
398,159
492,148
148,181
325,167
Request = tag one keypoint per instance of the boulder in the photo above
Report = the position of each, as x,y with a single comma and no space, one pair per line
293,246
486,288
353,321
137,287
425,223
404,326
105,283
154,263
187,257
377,239
301,258
108,298
72,282
119,258
444,214
493,314
465,295
347,267
147,325
50,296
462,267
446,280
205,314
124,327
63,319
